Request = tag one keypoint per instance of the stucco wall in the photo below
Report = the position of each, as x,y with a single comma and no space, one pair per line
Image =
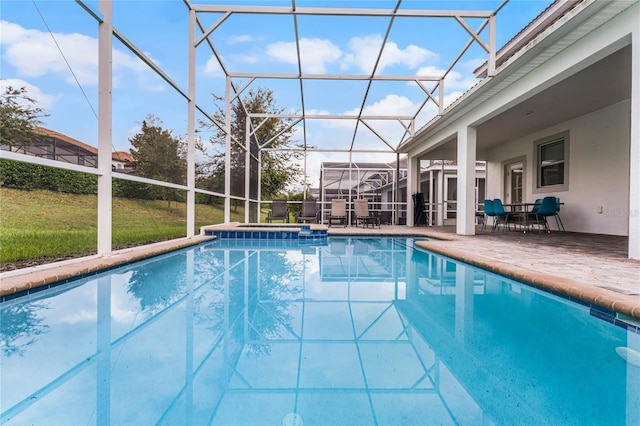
597,200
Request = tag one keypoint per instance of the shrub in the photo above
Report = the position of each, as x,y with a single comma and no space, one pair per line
26,176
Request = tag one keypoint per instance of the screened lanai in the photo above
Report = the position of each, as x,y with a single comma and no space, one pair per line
346,100
376,182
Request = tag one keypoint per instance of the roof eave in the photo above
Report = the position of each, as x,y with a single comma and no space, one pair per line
528,51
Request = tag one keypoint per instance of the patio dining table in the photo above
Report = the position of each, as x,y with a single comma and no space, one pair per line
522,210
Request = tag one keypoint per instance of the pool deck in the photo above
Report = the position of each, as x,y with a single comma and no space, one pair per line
589,267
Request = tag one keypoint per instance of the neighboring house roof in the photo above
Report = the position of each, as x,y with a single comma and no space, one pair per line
48,132
121,156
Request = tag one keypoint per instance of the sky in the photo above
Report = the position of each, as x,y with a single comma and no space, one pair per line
50,48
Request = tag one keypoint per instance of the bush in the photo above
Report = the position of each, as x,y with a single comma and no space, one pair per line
134,190
26,176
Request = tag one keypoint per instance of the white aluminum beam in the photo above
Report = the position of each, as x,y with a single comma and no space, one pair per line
227,160
333,11
25,158
334,116
125,176
105,119
191,128
361,151
345,77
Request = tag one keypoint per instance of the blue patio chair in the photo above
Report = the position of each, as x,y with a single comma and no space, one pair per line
557,216
530,215
549,207
500,213
488,212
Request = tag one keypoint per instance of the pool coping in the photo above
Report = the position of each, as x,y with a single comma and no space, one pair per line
561,286
21,281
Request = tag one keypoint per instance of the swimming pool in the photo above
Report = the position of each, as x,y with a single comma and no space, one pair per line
364,330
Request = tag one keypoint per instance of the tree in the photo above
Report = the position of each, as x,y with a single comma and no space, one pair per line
160,156
279,169
19,114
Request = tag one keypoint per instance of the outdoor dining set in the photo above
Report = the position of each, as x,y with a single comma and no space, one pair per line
309,212
523,215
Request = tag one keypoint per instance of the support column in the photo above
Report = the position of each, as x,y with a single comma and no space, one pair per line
413,182
191,129
247,169
259,213
105,118
634,151
227,159
465,208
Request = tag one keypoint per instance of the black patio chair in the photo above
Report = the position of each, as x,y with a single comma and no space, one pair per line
309,212
279,211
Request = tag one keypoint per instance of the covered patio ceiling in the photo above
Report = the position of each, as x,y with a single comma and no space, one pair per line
586,88
375,95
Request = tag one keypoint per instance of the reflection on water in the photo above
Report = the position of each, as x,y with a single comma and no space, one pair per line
19,327
357,331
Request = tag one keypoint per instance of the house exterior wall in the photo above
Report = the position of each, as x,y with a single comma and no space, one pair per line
597,198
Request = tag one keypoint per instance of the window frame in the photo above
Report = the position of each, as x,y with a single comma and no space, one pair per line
539,144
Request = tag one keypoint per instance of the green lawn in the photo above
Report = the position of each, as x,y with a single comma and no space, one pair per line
39,226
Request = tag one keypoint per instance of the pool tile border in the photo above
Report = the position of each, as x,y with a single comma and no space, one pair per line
280,232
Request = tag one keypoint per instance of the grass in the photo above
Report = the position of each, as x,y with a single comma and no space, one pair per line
41,226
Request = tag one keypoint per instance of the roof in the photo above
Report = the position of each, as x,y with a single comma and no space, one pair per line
556,11
65,138
123,156
118,155
558,100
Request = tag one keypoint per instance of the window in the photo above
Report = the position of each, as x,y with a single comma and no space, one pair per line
552,163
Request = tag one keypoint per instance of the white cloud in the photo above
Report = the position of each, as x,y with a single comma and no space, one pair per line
212,68
134,130
390,105
454,80
243,38
364,52
42,99
315,54
431,110
317,112
244,59
33,53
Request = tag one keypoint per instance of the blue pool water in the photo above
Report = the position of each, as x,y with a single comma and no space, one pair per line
356,331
